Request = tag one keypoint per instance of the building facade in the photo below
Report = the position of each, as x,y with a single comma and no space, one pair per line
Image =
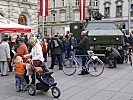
21,11
61,14
118,11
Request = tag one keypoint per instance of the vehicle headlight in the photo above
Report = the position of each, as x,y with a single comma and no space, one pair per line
117,39
91,48
119,47
94,39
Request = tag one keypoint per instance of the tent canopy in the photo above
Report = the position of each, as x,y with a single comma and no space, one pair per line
9,26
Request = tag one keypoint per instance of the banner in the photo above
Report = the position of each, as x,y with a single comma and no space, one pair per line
82,9
43,7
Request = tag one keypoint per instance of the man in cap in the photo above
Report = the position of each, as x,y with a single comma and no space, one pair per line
4,55
83,46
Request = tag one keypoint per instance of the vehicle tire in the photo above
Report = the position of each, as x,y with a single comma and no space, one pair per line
95,67
55,91
67,69
120,60
31,90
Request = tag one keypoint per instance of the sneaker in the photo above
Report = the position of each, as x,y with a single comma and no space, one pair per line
83,72
4,75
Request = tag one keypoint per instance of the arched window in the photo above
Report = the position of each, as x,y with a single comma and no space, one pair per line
22,20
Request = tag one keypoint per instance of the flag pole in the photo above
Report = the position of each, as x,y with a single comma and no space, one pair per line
43,26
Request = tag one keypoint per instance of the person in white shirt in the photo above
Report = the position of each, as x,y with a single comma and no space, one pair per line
36,51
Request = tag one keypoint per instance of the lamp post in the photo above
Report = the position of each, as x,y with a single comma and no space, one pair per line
129,15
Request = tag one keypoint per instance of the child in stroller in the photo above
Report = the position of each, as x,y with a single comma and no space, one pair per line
42,79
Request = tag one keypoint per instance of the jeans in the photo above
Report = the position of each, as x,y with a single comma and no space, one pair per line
53,60
20,81
72,54
112,62
63,55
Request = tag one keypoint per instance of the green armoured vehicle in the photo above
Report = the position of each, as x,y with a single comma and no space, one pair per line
101,35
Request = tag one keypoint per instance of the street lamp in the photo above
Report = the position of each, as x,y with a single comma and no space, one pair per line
129,15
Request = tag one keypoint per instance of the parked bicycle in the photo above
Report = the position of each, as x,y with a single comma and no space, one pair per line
127,54
94,66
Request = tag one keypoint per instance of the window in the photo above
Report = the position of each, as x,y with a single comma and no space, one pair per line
22,20
53,17
77,2
95,3
132,10
77,16
63,3
107,12
62,17
53,3
119,11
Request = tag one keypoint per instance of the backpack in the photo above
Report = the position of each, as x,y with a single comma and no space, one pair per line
57,43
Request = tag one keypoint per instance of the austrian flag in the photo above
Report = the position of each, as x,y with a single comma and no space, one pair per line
43,7
82,9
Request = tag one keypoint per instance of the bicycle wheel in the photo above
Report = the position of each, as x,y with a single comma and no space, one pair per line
130,59
67,69
95,67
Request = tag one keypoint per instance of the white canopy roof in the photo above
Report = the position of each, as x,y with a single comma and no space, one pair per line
9,26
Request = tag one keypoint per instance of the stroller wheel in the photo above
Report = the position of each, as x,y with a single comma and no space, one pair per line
55,91
31,90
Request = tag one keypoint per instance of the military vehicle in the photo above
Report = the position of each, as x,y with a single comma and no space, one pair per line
101,35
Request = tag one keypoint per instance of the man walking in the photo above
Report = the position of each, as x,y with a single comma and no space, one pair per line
4,56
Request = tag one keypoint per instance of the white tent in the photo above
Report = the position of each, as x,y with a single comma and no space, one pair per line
9,26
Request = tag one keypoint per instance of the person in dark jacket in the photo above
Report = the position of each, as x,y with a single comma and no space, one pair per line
83,46
112,54
56,47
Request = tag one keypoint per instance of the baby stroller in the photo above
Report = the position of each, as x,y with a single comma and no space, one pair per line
42,79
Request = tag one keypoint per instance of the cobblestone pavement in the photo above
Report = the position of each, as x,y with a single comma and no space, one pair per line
113,84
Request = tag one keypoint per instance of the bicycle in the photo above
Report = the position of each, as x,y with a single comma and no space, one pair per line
94,66
127,54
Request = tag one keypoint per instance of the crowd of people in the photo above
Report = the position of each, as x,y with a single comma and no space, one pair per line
17,50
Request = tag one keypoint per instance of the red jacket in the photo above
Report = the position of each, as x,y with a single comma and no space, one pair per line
22,50
44,47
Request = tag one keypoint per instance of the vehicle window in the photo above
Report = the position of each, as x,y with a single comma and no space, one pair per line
101,26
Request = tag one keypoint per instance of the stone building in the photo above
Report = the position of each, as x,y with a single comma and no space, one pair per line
118,11
62,13
21,11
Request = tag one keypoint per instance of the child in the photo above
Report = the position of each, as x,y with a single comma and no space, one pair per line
19,74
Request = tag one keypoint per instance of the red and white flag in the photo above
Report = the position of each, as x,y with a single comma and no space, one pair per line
82,9
43,7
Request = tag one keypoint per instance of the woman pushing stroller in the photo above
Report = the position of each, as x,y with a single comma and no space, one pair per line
40,72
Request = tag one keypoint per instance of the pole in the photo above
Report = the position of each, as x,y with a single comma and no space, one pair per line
129,15
43,26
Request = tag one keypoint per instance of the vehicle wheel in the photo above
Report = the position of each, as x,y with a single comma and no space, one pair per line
67,69
120,60
31,90
55,91
95,67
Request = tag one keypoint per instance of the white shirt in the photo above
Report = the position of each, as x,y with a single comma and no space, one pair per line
36,53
